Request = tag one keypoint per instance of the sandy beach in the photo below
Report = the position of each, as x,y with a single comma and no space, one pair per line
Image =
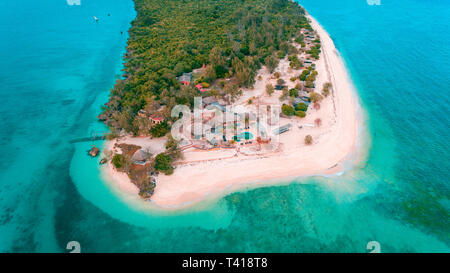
204,175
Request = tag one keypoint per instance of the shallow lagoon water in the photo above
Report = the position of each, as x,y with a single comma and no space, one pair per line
60,64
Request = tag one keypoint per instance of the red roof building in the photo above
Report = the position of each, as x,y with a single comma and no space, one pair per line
156,119
200,87
142,113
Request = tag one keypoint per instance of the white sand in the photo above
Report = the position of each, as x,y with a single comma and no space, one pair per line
334,142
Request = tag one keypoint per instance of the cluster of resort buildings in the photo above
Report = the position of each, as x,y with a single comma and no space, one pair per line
309,37
219,125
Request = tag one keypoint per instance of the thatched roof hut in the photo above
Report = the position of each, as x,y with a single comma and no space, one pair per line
140,156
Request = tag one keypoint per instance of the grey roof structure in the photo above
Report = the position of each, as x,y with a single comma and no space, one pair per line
186,77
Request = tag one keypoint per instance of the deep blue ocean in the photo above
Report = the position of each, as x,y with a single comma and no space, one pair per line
58,65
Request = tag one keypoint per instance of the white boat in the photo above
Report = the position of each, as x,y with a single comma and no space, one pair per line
95,18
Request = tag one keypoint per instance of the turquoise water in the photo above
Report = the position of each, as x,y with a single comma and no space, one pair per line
244,135
57,68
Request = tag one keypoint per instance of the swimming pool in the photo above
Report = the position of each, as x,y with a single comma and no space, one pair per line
244,135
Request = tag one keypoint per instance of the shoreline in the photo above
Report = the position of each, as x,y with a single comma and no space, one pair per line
337,144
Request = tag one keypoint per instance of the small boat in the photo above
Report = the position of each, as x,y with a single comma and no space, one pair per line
96,19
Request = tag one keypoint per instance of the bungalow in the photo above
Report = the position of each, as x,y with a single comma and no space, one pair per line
279,87
307,63
156,119
185,79
200,87
142,113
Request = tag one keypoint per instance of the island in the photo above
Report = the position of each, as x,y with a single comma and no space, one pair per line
263,93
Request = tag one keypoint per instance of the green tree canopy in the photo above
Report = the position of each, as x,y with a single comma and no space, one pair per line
288,110
163,163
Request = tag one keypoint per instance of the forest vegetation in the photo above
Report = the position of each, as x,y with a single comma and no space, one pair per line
229,39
